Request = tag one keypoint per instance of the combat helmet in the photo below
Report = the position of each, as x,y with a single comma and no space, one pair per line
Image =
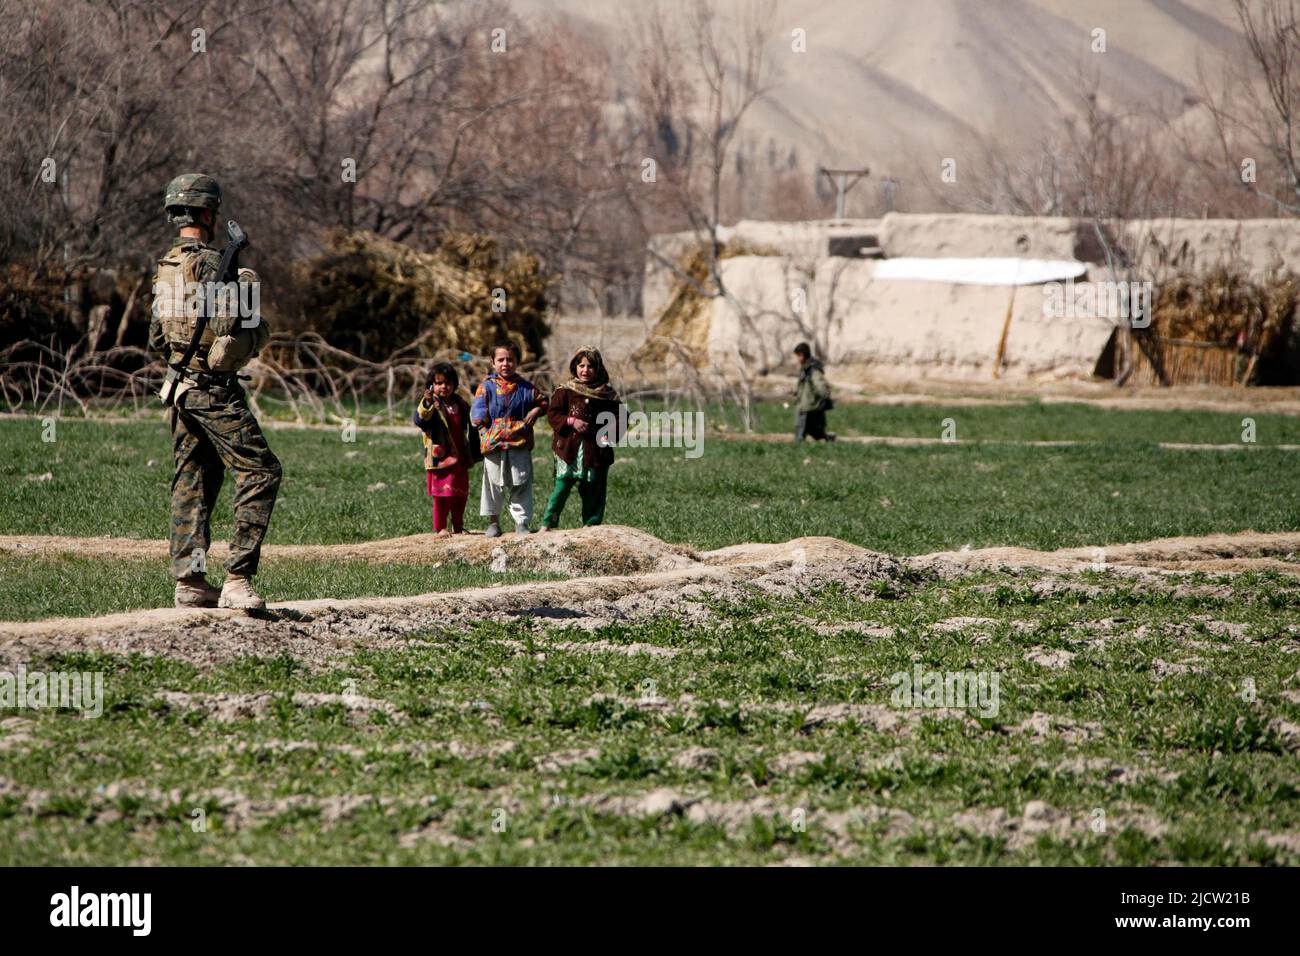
188,192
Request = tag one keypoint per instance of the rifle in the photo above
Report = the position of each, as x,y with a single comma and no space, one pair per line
236,239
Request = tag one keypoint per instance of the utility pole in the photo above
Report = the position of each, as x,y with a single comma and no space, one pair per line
888,187
844,180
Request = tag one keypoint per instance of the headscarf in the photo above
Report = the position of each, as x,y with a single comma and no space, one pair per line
599,387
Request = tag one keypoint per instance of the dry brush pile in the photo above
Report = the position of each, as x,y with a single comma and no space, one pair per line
682,328
1221,326
367,292
1226,306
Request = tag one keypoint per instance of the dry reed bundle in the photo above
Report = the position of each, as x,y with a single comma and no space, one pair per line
1215,327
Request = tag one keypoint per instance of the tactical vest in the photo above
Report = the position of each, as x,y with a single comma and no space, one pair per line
178,300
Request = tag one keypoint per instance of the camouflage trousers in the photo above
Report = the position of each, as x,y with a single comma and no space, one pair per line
213,429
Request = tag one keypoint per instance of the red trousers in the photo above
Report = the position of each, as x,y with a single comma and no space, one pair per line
453,508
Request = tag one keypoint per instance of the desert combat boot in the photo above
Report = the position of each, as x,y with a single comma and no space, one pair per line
195,591
238,593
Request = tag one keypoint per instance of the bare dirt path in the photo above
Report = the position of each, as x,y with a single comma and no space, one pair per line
857,387
772,437
1203,398
270,424
915,440
861,387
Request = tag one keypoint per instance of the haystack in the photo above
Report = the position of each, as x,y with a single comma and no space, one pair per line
370,295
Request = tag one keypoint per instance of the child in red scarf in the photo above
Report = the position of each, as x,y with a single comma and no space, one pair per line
449,445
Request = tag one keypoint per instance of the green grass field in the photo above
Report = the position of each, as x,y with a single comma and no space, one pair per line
764,734
1137,723
113,479
1005,420
1029,421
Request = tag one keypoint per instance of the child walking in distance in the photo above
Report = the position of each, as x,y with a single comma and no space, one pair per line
812,398
449,447
504,409
584,416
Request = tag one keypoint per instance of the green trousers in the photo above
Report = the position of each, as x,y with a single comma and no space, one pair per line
591,492
213,430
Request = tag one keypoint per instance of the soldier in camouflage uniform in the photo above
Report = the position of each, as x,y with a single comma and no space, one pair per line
212,426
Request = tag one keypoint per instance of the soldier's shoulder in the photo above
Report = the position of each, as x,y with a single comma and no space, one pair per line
206,259
196,247
189,246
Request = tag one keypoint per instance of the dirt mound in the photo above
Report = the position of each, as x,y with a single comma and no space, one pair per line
609,549
1243,551
787,572
810,550
660,580
316,631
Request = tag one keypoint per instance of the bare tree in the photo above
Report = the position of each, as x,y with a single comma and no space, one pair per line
402,117
697,78
93,120
1255,106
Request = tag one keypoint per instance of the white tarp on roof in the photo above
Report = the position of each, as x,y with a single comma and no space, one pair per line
990,271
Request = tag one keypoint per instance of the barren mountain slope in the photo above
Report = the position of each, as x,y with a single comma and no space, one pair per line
891,82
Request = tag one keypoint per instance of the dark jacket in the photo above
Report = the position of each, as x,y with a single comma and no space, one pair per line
812,392
565,440
463,444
